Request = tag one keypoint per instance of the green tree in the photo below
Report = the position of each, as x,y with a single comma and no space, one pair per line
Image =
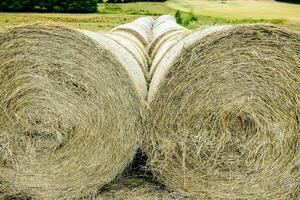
78,6
15,5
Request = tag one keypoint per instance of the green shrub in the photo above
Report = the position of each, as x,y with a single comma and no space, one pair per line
15,5
190,18
178,17
290,1
129,1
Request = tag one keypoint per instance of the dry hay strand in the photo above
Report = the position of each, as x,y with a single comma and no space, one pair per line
70,114
141,28
225,109
139,189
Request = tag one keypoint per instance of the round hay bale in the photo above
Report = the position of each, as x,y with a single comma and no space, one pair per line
141,28
139,54
166,27
70,113
225,110
139,189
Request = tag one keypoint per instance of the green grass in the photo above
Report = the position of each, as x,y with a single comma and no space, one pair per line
109,16
139,8
95,22
239,11
194,21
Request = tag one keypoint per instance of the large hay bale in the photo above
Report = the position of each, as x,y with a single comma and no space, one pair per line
70,113
139,189
141,28
225,111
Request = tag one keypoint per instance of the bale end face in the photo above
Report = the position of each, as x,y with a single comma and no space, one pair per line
70,116
225,114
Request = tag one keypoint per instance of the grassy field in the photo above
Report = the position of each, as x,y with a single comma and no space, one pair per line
109,16
93,22
195,13
239,11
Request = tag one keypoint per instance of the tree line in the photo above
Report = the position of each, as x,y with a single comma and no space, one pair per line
129,1
290,1
70,6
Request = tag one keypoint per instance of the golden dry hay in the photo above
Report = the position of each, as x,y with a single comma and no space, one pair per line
225,109
70,113
119,47
134,46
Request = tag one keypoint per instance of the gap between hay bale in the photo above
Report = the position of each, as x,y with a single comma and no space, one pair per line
139,188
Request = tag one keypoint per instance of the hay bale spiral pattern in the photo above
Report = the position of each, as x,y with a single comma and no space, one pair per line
70,114
225,114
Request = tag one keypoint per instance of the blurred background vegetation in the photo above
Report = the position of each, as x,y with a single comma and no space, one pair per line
99,15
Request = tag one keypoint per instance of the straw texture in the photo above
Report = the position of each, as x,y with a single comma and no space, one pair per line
117,46
70,113
225,108
141,28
